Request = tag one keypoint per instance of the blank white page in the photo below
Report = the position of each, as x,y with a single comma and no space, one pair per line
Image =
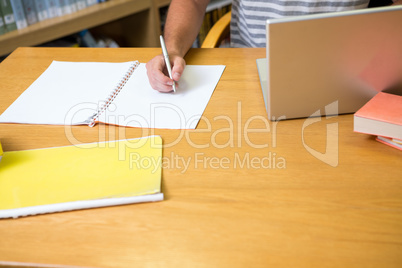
138,105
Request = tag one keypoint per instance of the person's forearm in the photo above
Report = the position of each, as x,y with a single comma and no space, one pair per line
183,24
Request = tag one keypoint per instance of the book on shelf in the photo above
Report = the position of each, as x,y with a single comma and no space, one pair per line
80,176
3,28
19,14
81,4
85,93
59,10
30,11
92,2
41,10
72,5
52,8
8,15
381,116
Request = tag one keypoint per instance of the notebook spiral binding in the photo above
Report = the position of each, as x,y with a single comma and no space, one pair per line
92,120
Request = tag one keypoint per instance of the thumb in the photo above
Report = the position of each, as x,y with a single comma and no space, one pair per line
178,67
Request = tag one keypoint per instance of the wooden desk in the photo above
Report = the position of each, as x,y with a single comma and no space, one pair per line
224,210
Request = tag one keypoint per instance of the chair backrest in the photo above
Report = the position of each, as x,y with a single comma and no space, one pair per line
218,32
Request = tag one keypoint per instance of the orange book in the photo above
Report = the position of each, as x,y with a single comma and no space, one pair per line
381,116
397,144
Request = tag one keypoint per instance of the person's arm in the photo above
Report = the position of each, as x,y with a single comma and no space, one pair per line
181,29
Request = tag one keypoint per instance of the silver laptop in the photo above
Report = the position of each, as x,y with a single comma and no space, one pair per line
342,57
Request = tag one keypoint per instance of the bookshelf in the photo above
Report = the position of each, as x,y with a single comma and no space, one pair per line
140,12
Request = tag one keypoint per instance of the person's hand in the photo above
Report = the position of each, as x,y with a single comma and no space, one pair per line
158,75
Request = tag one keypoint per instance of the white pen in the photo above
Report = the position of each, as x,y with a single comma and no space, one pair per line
167,61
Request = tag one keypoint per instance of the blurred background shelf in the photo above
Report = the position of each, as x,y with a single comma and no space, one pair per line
128,23
136,20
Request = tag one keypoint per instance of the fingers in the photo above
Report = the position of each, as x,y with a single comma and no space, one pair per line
158,80
157,73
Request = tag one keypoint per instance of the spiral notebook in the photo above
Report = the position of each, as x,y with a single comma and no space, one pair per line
77,93
80,177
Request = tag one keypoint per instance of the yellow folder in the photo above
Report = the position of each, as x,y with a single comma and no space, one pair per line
80,176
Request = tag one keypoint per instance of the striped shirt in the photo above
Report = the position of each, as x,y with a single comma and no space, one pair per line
247,26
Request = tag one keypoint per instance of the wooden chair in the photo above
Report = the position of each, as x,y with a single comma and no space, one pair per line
218,32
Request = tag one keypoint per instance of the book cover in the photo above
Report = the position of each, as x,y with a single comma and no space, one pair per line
58,8
81,4
63,7
41,10
8,15
91,2
52,8
72,5
3,28
30,11
381,116
80,176
19,14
